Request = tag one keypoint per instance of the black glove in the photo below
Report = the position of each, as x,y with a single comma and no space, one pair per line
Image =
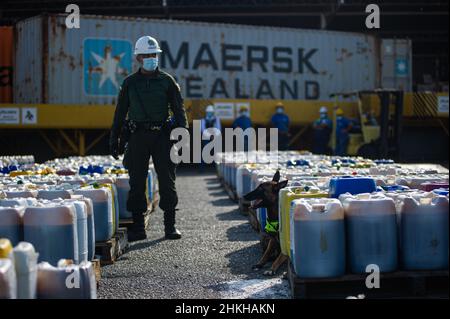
114,147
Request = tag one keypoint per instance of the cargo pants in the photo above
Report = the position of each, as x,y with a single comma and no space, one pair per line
141,145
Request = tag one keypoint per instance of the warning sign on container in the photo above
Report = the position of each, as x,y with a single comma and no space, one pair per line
9,115
443,104
224,111
29,115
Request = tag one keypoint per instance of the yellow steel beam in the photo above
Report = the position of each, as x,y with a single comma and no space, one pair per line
69,141
81,143
298,135
49,143
301,112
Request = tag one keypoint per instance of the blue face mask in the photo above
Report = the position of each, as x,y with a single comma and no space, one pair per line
150,64
323,115
280,111
209,115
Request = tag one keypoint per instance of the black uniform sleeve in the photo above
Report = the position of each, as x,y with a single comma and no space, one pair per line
121,111
176,104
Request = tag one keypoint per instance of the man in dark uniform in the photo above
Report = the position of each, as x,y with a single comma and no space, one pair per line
149,106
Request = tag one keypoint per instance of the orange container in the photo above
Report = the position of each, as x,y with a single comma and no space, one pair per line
6,64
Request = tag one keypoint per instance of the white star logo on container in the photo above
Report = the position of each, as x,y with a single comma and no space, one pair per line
401,66
108,67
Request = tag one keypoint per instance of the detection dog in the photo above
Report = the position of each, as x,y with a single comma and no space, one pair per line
267,195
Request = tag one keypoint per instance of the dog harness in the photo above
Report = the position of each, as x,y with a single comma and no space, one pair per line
271,226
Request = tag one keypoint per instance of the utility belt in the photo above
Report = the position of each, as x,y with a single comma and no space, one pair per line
134,126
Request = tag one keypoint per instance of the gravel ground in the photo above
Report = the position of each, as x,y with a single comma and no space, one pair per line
212,260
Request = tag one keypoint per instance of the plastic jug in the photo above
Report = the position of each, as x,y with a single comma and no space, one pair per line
317,237
103,213
54,194
25,260
424,232
11,223
371,231
8,282
123,187
82,227
66,281
90,224
428,187
350,184
286,196
53,232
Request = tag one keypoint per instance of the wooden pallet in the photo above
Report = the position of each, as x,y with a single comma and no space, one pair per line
244,206
231,193
253,220
400,284
97,270
127,222
109,251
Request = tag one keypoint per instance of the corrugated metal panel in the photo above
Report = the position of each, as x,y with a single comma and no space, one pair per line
396,57
6,64
86,65
28,70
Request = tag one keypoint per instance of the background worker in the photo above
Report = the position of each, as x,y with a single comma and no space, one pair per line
209,121
280,120
343,127
244,122
322,132
146,99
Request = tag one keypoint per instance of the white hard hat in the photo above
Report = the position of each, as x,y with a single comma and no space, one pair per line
323,109
146,45
210,108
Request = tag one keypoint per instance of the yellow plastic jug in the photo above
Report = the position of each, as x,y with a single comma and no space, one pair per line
286,196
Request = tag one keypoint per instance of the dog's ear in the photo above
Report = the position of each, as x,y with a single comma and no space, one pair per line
276,177
282,184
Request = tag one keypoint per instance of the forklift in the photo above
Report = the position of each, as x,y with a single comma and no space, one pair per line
376,139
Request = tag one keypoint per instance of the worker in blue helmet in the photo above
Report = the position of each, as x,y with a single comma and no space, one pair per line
343,127
323,127
280,120
244,122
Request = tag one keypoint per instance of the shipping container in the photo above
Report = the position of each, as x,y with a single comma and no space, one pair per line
210,60
396,55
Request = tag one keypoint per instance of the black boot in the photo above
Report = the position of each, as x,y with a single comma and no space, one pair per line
169,226
137,230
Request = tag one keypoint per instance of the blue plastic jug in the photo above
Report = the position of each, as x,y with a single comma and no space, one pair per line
53,232
350,184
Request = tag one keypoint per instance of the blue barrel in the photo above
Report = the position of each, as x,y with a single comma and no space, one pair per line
424,233
53,232
317,238
371,232
353,185
11,224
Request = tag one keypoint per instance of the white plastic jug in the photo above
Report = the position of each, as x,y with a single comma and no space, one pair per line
25,259
8,282
66,281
